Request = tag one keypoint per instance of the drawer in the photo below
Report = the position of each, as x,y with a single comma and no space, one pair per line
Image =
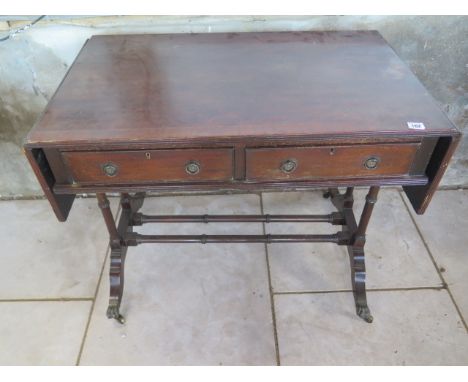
295,163
146,166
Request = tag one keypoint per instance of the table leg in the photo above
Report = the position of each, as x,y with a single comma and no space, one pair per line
354,238
344,203
357,257
116,277
129,205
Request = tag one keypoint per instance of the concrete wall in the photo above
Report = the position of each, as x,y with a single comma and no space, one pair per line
33,63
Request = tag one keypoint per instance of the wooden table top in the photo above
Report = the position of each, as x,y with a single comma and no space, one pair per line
146,88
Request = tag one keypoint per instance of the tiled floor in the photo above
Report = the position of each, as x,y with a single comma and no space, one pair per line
236,304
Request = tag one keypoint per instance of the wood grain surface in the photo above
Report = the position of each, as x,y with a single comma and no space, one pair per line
145,88
150,166
329,162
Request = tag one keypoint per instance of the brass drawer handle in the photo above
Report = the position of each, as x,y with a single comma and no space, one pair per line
192,167
110,169
372,163
288,166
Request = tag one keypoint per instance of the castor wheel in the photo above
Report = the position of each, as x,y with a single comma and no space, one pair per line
364,313
113,312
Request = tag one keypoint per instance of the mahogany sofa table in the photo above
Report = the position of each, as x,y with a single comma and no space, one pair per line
239,111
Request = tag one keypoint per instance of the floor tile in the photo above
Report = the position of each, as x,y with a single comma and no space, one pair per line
395,254
417,327
16,175
444,228
43,258
42,333
189,304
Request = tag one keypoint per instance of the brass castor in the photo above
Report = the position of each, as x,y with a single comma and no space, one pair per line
113,312
364,313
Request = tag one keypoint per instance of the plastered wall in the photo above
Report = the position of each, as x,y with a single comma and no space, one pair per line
33,63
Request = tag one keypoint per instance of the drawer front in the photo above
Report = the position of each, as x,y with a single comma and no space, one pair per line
295,163
127,167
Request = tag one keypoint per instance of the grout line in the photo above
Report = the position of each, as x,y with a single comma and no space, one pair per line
117,195
452,188
91,310
78,359
198,193
46,299
367,290
13,198
431,255
270,289
21,197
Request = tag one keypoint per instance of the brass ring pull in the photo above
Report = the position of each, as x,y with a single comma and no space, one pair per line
192,167
110,169
288,166
372,163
